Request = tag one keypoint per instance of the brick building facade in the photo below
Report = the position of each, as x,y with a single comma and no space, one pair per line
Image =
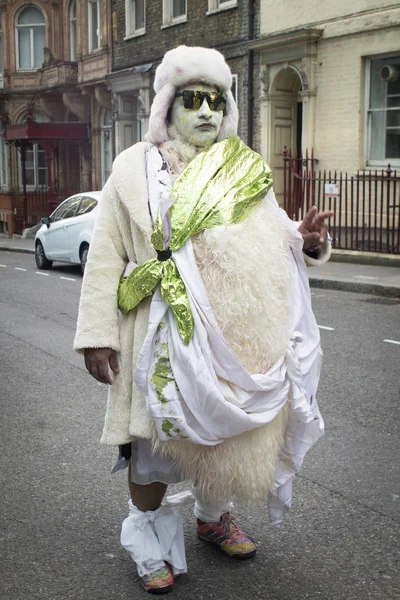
143,30
54,56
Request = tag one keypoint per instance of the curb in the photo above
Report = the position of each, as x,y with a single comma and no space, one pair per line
365,258
357,287
14,249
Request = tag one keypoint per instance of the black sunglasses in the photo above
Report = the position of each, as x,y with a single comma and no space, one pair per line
193,99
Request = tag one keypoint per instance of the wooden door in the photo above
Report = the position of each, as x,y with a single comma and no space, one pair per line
283,133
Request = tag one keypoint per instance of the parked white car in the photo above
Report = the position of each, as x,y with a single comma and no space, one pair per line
65,236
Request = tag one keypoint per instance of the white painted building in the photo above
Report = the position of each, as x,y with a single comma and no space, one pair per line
330,80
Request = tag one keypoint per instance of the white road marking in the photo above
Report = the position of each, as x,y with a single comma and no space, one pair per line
392,342
5,266
40,273
68,278
327,328
19,269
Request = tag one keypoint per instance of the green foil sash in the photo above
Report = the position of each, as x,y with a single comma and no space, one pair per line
221,186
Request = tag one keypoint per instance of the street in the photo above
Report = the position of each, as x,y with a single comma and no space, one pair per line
61,509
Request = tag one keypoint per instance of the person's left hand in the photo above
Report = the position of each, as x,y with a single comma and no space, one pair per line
313,228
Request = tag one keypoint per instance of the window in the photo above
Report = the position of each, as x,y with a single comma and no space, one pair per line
106,145
383,116
217,5
30,38
3,161
234,88
135,17
36,165
86,206
128,125
174,11
94,23
72,30
1,49
1,56
66,210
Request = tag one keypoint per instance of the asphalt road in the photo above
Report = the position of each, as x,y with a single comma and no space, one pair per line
61,510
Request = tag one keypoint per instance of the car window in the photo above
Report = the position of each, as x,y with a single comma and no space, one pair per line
87,204
66,210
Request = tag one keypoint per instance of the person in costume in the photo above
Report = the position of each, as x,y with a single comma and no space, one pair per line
195,308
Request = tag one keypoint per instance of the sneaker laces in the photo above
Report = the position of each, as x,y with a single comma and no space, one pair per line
228,524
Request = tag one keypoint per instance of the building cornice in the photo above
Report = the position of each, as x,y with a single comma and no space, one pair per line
294,36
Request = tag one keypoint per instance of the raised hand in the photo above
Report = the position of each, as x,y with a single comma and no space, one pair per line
313,228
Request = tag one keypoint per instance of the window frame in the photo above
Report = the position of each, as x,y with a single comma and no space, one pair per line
3,161
72,32
31,187
103,129
168,12
394,162
215,6
92,206
92,3
1,49
76,199
17,28
235,82
130,31
1,54
35,149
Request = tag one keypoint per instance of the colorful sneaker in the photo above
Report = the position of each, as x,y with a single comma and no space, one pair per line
228,536
158,582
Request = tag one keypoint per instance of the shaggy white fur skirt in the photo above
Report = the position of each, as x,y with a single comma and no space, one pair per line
246,271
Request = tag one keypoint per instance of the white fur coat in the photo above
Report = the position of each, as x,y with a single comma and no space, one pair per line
245,269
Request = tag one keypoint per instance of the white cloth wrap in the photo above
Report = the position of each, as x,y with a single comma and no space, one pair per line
215,397
154,537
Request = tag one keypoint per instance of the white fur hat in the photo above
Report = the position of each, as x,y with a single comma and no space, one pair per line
182,66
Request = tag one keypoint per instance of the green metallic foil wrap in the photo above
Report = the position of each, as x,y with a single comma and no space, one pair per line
157,237
139,284
221,186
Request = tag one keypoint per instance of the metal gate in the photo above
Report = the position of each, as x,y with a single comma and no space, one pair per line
366,205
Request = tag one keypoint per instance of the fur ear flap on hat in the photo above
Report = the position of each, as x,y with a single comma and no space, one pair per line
229,124
182,66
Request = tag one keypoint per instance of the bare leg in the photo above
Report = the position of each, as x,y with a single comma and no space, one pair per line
147,497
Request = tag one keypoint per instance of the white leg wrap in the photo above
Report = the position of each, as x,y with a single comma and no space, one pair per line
209,513
153,537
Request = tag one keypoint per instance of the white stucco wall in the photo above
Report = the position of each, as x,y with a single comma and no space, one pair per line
282,16
341,99
347,40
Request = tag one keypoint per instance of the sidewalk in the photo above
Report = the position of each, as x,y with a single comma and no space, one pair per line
355,277
17,244
382,279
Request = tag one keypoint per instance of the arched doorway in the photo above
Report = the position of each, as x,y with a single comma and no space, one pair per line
286,121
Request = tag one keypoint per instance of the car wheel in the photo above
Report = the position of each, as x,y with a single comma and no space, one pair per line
83,256
42,262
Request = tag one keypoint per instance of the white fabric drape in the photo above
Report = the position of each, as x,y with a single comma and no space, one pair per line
154,537
214,397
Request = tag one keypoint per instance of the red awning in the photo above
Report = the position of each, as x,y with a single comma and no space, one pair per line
31,130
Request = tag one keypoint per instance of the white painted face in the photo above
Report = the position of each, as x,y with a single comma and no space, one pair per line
199,127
